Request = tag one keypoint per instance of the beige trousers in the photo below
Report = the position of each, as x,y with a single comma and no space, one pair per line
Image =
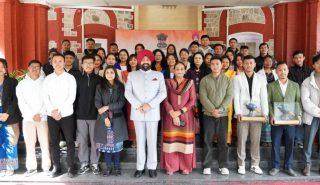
253,130
33,131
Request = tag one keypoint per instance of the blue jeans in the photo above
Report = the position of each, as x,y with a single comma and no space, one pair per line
112,158
276,135
310,133
299,136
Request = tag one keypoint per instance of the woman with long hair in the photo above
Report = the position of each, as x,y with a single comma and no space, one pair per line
171,61
9,122
111,60
160,61
97,64
184,57
102,53
207,59
171,49
238,67
111,128
123,59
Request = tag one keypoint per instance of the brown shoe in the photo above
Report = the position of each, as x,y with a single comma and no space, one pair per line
306,170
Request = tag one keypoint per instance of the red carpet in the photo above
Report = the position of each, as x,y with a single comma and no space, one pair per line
284,183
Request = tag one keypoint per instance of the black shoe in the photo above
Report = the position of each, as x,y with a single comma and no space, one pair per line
95,169
117,171
83,169
152,173
138,173
55,172
107,172
71,173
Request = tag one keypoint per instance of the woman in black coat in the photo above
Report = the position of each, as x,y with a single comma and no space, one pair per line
111,127
10,117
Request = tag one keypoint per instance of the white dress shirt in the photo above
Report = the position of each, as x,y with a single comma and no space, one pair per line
283,87
59,92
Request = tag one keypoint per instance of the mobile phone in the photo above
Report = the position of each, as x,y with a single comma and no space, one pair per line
182,123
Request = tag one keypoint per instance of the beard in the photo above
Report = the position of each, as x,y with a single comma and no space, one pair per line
146,66
90,50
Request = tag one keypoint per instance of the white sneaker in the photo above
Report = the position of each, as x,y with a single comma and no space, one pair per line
242,170
207,171
224,171
62,144
256,169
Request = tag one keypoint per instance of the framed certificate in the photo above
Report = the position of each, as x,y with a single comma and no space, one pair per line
286,113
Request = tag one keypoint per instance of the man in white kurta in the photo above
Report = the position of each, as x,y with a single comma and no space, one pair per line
145,90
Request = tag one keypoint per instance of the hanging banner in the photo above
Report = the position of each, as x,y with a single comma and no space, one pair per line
156,39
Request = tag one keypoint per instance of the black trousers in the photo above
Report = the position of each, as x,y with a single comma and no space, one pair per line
67,126
218,126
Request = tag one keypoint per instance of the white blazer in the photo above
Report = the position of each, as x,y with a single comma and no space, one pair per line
145,87
263,73
310,98
242,94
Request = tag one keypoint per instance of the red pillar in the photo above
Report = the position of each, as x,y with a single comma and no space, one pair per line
34,33
288,33
297,27
9,24
23,33
312,25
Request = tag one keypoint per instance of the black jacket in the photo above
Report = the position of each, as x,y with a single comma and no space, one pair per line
74,72
86,52
9,100
259,63
86,90
47,68
116,102
299,74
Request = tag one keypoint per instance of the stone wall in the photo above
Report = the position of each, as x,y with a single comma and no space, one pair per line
219,24
246,15
212,22
124,20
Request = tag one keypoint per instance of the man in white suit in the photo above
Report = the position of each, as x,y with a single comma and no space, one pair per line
145,90
249,87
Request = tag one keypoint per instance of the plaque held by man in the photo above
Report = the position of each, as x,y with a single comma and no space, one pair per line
254,114
286,113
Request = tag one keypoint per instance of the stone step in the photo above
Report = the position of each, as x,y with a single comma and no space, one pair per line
128,158
195,178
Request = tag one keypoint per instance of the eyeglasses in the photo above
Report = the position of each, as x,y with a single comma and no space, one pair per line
88,63
34,67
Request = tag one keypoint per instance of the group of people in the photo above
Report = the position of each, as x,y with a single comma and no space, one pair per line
102,100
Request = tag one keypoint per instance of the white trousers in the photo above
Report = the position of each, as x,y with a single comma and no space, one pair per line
146,133
33,131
